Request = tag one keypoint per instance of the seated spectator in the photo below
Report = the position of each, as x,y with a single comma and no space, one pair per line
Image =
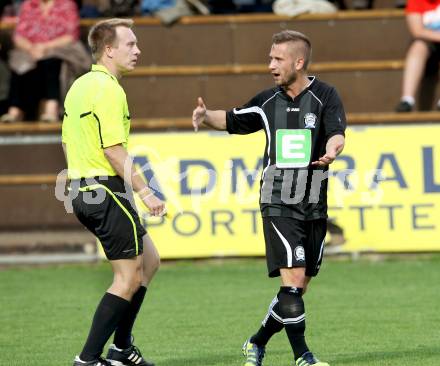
298,7
254,6
4,83
43,28
369,4
423,19
6,8
222,6
108,8
364,4
170,11
5,72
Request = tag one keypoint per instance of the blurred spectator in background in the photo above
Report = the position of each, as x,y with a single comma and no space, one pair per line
205,7
364,4
9,8
293,8
170,11
44,36
222,6
423,19
5,73
368,4
108,8
4,83
3,4
254,6
240,6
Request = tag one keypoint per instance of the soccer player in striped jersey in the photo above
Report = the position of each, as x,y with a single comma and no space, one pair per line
304,122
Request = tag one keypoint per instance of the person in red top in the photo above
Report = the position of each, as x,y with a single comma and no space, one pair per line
423,19
43,25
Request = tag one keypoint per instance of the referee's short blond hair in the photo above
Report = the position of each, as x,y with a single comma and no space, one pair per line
294,36
103,34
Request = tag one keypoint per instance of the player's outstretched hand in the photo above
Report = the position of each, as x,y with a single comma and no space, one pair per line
327,159
154,204
330,155
199,114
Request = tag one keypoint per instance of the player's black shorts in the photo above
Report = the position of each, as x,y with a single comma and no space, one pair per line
294,243
108,211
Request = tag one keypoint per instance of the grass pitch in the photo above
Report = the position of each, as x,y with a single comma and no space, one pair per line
199,313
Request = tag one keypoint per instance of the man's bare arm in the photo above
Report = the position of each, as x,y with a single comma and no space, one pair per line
122,163
213,119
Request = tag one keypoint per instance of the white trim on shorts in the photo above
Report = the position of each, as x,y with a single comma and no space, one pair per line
286,245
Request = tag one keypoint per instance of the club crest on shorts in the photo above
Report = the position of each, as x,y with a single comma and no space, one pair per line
310,120
299,253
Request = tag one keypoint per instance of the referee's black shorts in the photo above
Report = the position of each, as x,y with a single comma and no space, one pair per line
294,243
104,207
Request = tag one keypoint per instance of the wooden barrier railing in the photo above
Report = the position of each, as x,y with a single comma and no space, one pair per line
184,123
319,67
27,179
250,18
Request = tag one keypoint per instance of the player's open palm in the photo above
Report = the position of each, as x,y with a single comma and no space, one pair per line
199,114
333,148
155,205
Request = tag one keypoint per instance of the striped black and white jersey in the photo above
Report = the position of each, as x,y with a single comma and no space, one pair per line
297,130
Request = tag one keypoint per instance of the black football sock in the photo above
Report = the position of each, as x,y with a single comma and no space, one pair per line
122,338
272,324
106,318
293,314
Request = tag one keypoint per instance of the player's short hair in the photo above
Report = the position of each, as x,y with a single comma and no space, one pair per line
103,34
294,36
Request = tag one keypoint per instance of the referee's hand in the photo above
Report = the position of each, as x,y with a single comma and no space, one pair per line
199,114
155,205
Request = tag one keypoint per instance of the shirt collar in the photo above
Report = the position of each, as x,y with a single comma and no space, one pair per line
285,95
102,68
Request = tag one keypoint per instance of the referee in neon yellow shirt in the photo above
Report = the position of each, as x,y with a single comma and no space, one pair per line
95,133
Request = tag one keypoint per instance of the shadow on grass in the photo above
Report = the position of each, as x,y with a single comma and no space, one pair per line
203,360
420,354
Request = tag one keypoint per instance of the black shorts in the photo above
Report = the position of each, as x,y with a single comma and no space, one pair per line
108,211
294,243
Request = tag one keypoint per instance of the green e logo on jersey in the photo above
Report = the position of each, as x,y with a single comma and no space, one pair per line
293,148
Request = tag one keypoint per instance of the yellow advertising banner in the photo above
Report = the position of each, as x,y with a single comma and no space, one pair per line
384,190
389,200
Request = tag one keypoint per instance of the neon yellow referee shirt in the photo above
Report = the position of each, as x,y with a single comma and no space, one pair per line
96,116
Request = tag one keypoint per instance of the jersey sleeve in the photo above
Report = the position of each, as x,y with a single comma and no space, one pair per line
64,128
334,115
66,124
108,110
246,119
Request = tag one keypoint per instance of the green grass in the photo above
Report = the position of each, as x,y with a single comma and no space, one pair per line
199,313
